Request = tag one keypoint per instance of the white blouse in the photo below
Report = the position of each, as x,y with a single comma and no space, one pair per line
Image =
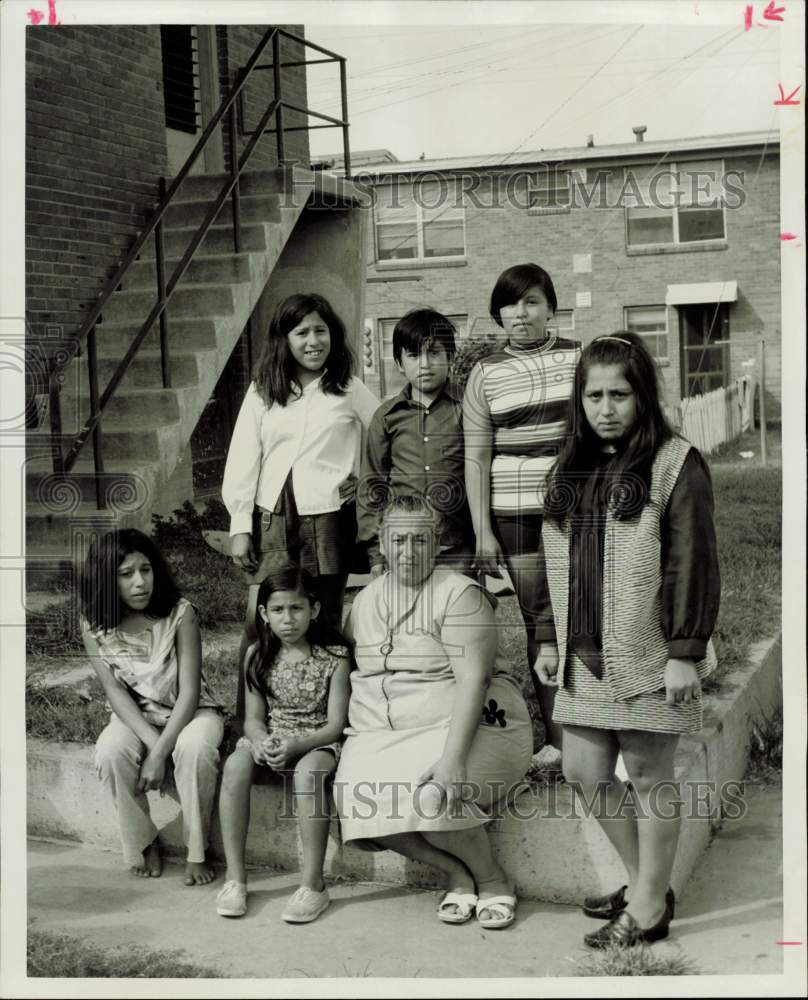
317,435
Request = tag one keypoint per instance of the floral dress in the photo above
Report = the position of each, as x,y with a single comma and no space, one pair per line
297,694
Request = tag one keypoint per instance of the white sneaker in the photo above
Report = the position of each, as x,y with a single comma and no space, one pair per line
232,899
547,759
305,905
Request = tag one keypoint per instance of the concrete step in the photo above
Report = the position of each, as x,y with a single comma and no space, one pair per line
144,370
253,182
52,537
127,405
122,483
203,301
219,239
113,339
253,208
217,269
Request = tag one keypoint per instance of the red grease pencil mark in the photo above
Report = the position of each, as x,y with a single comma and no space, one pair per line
747,18
788,942
37,16
786,101
788,236
772,13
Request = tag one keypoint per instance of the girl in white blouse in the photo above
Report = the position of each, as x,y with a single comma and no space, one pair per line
289,480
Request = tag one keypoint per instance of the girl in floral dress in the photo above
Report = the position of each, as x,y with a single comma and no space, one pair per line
296,708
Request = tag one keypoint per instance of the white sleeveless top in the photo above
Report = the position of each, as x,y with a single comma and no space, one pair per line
145,663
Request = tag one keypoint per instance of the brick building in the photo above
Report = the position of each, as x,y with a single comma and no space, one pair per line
697,275
134,380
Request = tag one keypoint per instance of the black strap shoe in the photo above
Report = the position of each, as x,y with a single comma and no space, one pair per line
607,907
623,931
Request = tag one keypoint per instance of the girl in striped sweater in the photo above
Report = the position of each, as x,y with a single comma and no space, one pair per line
515,411
633,576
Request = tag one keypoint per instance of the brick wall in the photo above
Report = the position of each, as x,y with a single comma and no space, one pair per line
499,237
95,148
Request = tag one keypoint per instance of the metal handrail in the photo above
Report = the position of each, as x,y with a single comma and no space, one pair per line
62,463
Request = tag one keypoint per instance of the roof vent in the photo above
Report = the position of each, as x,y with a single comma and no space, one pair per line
639,132
590,141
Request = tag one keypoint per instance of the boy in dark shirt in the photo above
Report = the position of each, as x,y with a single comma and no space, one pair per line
415,442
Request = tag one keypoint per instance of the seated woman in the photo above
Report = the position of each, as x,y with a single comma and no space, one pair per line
438,730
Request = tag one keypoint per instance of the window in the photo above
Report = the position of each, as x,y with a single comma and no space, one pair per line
650,323
422,222
670,204
563,323
180,77
392,380
551,190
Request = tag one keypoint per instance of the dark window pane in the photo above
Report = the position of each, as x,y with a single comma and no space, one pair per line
397,241
180,77
647,225
700,224
443,239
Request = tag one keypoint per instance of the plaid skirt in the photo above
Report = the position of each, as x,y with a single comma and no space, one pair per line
323,544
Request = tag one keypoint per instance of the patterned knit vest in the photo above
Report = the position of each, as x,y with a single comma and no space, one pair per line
635,649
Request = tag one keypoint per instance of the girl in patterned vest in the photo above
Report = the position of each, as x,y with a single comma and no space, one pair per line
633,577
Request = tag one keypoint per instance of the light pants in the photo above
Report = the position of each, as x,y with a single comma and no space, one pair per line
118,756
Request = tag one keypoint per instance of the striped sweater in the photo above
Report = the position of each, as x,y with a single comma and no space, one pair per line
528,394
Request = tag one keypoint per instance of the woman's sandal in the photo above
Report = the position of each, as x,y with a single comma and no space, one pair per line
465,903
504,906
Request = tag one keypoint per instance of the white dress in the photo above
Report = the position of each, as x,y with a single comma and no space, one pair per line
402,696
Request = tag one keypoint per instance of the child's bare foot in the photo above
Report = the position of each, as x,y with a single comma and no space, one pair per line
198,873
152,864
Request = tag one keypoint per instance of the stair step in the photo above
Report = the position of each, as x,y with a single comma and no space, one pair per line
216,269
219,239
123,485
53,538
144,372
252,208
192,334
253,182
127,406
203,301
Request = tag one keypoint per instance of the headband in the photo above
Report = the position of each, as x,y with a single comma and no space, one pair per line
620,340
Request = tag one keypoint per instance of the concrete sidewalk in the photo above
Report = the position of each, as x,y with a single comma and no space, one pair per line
728,920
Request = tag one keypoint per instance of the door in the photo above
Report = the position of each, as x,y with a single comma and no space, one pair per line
191,95
704,336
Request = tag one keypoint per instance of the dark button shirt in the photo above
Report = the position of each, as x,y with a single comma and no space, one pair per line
691,583
415,450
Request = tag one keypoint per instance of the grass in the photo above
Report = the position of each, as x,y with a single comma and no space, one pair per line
639,961
765,765
59,956
53,630
747,522
63,714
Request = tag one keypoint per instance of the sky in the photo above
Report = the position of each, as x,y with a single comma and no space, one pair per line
454,90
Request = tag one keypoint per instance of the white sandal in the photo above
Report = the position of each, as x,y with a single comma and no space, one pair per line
504,906
465,903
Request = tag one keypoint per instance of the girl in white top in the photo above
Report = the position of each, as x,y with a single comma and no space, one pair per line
290,476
